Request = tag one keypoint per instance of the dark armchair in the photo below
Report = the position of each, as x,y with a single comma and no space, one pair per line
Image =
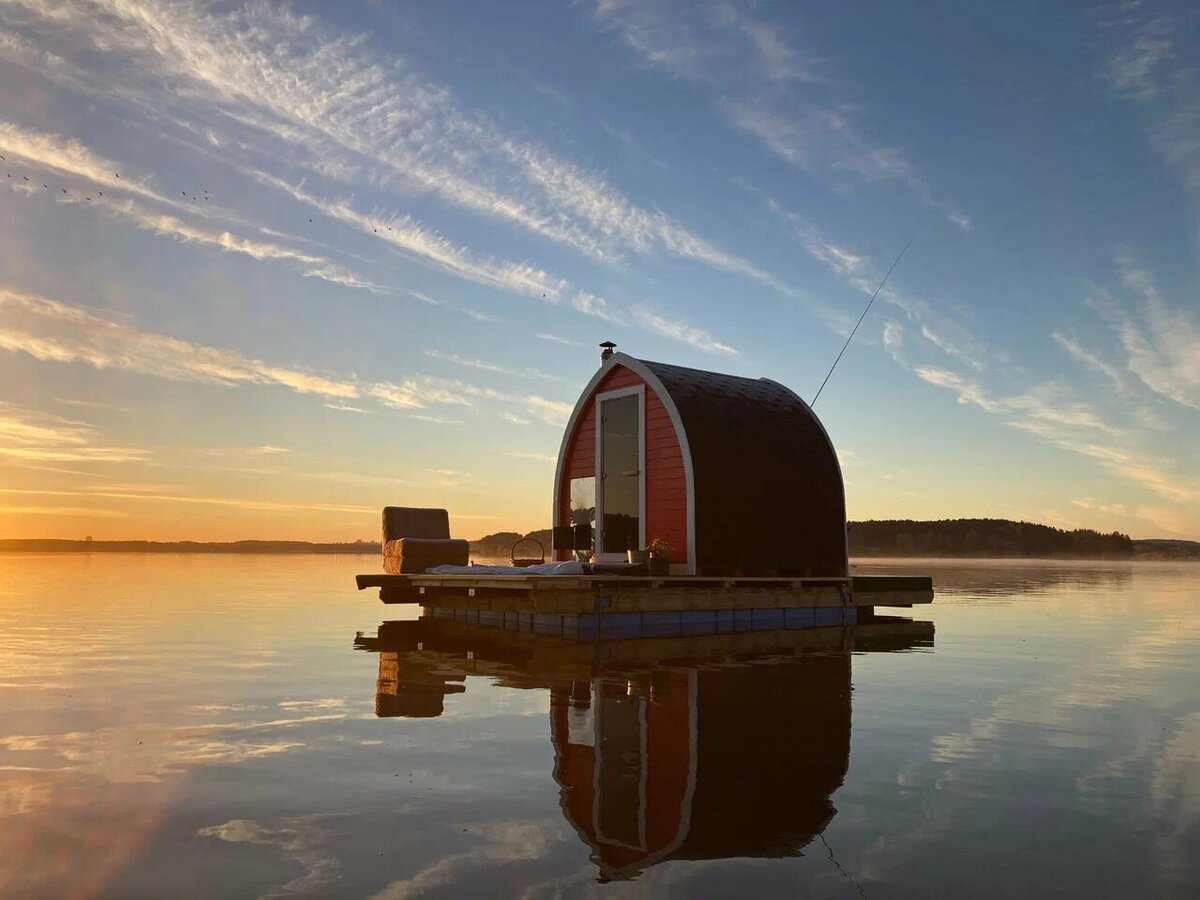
415,539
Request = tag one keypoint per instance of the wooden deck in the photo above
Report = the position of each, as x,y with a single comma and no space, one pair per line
575,594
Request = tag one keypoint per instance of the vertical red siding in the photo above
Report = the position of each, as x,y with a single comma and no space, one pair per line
666,482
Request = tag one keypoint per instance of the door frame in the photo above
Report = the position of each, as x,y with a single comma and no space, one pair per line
639,391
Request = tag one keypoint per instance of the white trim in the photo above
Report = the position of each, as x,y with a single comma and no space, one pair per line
837,462
639,391
643,371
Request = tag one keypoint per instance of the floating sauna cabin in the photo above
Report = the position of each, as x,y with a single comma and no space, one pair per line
738,474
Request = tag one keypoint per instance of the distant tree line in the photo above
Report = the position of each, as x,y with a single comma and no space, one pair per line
983,537
501,543
892,537
1166,549
947,537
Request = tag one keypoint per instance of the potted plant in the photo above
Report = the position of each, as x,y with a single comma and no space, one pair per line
660,556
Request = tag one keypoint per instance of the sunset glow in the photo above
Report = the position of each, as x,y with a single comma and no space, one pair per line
266,268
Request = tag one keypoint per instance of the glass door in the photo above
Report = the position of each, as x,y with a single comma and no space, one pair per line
620,474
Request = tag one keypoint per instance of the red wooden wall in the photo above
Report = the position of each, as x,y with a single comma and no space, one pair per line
666,483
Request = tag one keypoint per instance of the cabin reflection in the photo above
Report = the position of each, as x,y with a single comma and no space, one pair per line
727,745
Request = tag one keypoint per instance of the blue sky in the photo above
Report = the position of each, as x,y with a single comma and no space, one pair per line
296,261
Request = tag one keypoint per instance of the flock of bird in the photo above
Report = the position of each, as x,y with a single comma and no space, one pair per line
199,198
194,196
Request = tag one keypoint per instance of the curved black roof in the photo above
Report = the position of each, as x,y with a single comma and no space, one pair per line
768,487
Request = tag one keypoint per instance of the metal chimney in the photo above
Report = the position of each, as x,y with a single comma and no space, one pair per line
606,351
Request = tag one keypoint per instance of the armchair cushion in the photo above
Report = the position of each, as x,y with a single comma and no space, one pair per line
412,556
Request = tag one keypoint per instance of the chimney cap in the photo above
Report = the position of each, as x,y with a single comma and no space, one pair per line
606,350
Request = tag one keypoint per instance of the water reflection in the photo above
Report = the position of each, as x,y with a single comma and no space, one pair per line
199,726
687,748
1004,580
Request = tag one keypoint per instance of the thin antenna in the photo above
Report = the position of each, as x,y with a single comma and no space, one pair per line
860,321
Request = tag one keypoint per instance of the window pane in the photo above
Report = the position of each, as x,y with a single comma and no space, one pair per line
619,472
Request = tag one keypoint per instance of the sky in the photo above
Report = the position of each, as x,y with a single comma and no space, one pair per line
268,267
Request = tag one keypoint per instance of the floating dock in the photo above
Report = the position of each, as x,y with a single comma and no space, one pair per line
631,605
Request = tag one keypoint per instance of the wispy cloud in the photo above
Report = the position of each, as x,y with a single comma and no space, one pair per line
817,138
58,332
840,260
496,845
535,457
82,512
484,366
39,436
191,499
681,331
346,407
893,340
1146,46
91,404
1087,358
298,98
434,420
301,841
67,156
698,41
1161,343
431,248
552,412
1050,413
852,267
1090,503
479,316
397,396
1151,64
43,152
764,87
1046,405
299,82
423,391
1125,387
557,339
60,471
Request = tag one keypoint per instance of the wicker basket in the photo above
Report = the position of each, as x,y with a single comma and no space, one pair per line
525,562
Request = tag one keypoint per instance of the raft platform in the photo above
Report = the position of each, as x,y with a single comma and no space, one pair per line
566,603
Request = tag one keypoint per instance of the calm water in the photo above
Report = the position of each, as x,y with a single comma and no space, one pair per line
204,726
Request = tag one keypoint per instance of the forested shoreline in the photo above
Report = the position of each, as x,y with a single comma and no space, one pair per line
899,538
966,538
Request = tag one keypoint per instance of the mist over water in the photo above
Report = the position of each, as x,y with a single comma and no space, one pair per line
178,725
